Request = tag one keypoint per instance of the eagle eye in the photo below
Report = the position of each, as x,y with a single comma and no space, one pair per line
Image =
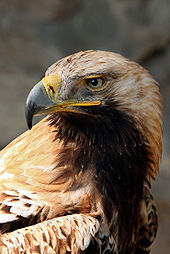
95,82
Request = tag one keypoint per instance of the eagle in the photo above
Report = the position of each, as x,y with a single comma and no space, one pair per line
79,181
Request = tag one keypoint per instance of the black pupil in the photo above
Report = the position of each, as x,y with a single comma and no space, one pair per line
94,82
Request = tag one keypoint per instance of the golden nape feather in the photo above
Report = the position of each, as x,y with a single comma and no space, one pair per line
79,180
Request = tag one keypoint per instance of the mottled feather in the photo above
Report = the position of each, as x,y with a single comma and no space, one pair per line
80,183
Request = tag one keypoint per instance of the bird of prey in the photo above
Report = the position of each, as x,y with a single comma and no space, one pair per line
79,181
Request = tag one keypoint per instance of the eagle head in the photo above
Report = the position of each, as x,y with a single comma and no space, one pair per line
97,91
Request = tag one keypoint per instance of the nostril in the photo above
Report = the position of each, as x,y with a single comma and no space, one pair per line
52,89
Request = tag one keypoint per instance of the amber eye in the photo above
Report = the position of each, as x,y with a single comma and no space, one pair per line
95,82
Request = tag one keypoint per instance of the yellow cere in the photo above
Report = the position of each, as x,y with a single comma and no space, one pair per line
52,84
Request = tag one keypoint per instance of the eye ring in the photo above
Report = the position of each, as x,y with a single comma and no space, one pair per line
95,82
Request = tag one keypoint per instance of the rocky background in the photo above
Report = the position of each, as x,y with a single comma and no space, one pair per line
36,33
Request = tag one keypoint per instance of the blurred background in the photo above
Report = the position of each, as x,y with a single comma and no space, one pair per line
36,33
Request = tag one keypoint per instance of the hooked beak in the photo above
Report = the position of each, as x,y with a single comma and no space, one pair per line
44,98
37,102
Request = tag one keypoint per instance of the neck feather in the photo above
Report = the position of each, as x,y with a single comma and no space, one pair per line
117,151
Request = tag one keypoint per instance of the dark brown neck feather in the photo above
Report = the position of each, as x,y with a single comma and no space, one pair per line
112,143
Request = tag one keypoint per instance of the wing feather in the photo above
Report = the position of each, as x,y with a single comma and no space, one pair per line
24,183
72,233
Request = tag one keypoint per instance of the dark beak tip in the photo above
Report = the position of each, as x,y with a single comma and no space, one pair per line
29,125
29,112
37,102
